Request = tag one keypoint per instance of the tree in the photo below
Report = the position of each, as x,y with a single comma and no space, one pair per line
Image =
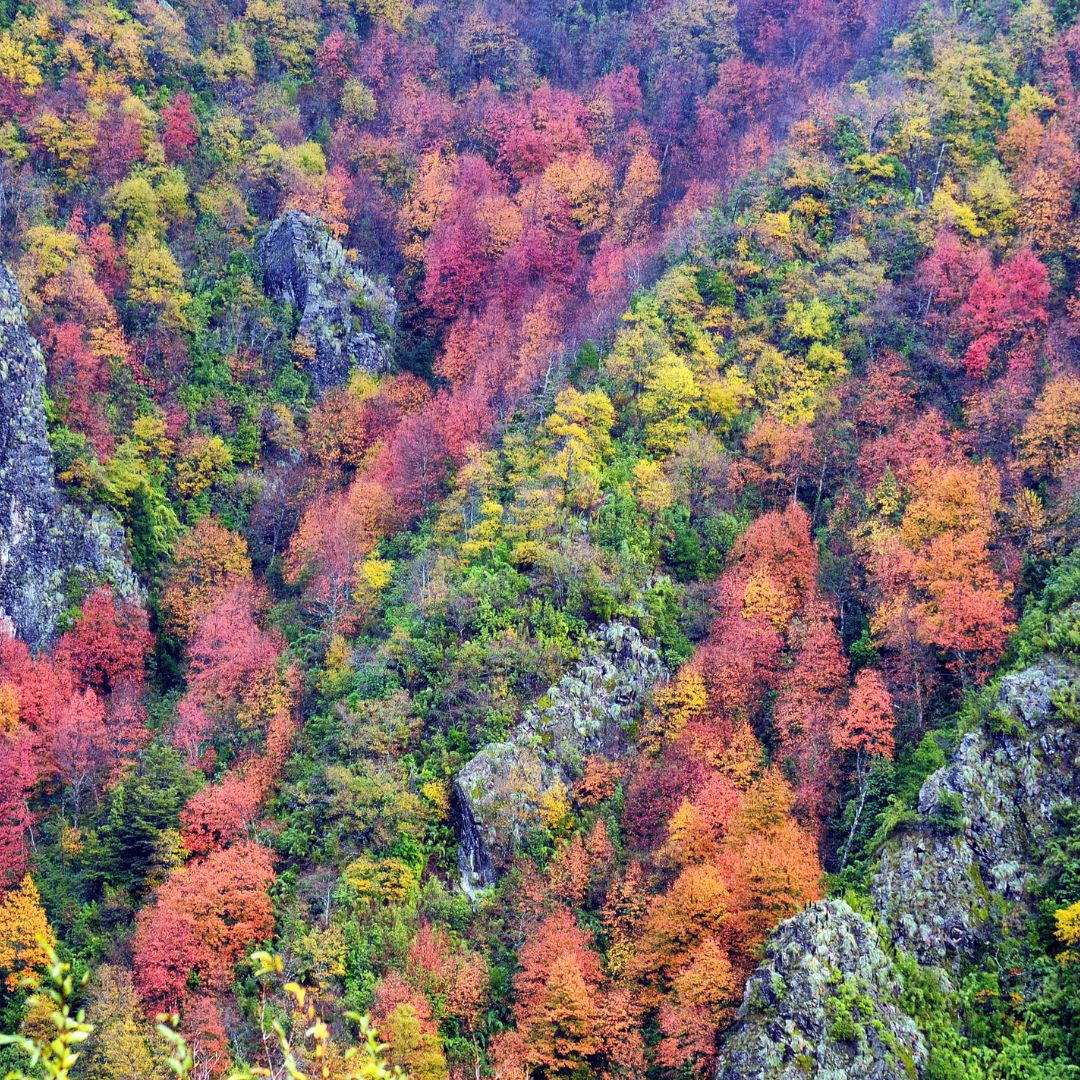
865,726
109,643
202,921
415,1050
696,907
206,560
234,662
578,438
220,813
1009,303
671,394
180,129
20,772
1051,436
560,1027
25,935
82,745
140,834
118,1047
771,875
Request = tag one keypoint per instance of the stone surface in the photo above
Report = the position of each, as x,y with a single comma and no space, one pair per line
499,793
49,550
946,879
346,316
823,1003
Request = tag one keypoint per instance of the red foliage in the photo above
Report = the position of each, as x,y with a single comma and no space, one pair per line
76,373
109,643
82,746
203,920
207,1039
866,724
450,975
180,130
1008,303
118,144
19,770
233,660
220,813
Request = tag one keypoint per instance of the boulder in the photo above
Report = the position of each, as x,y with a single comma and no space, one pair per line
824,1002
346,316
49,550
499,793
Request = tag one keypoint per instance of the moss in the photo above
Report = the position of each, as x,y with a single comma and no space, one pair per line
982,907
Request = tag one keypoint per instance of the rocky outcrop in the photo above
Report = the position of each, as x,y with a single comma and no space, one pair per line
49,550
948,877
346,317
500,792
825,1002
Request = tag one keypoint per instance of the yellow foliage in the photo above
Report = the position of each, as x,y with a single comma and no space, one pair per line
765,596
947,210
204,462
49,252
25,935
1051,436
437,792
555,808
1067,925
652,488
585,183
675,704
578,433
156,279
671,394
17,65
376,572
386,880
9,708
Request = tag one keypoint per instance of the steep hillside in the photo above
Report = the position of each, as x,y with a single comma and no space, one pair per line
553,528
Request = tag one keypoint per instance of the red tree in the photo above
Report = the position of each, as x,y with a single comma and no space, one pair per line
203,920
180,130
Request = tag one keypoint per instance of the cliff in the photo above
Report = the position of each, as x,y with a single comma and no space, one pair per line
824,1002
49,551
948,878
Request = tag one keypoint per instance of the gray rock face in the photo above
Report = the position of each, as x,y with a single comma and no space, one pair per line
346,316
823,1003
47,548
946,880
499,793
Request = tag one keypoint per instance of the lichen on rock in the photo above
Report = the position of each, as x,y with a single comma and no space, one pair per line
499,793
347,318
825,1002
49,550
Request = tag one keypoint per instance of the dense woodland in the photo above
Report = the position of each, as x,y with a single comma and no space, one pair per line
751,325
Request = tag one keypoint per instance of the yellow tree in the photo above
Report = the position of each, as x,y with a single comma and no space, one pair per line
671,394
577,437
25,935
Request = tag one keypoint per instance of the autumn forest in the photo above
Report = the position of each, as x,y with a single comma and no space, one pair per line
536,540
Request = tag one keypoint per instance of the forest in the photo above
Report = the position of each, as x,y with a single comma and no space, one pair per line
536,541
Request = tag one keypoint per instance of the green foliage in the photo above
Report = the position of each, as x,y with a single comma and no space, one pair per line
1051,621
